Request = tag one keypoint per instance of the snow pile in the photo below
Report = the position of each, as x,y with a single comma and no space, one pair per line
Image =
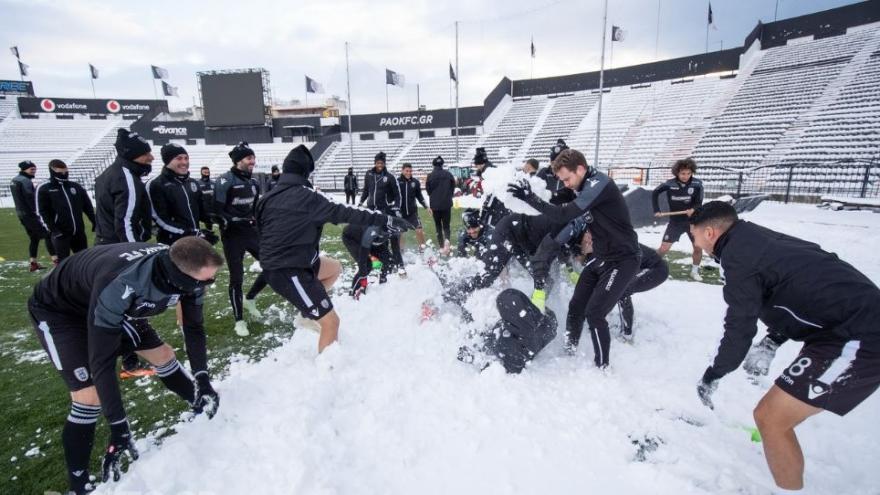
391,411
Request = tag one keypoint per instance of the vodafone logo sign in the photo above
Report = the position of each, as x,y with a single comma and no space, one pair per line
47,105
113,106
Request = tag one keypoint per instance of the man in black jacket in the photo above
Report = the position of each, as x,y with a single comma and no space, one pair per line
410,193
175,198
683,194
123,209
474,240
559,194
291,219
25,199
805,294
350,184
96,304
441,187
206,185
61,203
615,244
235,196
380,188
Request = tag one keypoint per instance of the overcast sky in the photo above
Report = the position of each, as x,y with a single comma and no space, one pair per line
416,38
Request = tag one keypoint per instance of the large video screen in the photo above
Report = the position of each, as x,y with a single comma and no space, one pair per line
232,99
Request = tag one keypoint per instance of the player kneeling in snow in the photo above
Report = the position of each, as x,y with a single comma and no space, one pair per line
93,307
290,219
805,294
368,245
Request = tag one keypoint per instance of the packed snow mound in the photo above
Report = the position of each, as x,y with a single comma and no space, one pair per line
389,410
496,179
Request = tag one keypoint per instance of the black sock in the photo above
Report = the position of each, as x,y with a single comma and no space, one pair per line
78,438
176,380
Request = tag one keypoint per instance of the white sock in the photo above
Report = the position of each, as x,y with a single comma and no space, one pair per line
695,268
785,490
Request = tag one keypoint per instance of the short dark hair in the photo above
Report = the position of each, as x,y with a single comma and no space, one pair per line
406,165
684,163
533,163
190,254
205,168
56,163
569,159
719,214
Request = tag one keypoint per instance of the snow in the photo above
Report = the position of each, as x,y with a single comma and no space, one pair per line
389,410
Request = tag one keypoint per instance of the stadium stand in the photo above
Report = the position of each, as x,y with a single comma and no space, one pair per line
334,163
8,107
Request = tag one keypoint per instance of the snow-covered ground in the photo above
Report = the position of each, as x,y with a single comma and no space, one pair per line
391,411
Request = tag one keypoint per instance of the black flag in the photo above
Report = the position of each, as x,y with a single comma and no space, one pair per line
94,71
14,50
168,89
711,20
533,47
617,33
313,86
452,73
23,68
158,72
394,78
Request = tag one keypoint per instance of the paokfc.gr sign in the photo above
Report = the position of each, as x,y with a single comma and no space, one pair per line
90,106
25,88
429,119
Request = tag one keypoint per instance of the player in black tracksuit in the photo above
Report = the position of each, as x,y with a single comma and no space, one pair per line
683,194
24,197
410,191
440,186
61,203
176,199
559,194
122,208
291,219
206,186
614,242
365,242
382,194
808,295
95,305
350,184
235,195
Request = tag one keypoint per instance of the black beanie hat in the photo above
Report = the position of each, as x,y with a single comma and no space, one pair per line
557,148
26,165
275,169
299,161
481,158
171,150
240,152
438,162
130,145
380,157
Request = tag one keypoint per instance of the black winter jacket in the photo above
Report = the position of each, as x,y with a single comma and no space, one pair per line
410,192
794,287
176,204
441,187
235,195
380,191
61,204
24,197
350,183
123,208
291,218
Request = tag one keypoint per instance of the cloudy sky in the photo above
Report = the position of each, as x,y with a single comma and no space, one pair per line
416,38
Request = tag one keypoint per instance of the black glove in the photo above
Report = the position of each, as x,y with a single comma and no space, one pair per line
120,441
540,270
705,388
757,362
520,189
396,225
207,401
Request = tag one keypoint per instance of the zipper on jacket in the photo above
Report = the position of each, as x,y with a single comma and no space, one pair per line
796,317
188,207
70,207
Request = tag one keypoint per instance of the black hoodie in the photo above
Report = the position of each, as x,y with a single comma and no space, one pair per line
176,203
123,209
61,204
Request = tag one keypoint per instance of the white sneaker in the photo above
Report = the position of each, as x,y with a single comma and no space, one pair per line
251,306
695,274
241,328
306,323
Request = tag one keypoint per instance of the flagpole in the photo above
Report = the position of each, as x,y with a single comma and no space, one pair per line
457,78
155,92
707,28
657,39
348,90
386,97
92,80
611,56
601,86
